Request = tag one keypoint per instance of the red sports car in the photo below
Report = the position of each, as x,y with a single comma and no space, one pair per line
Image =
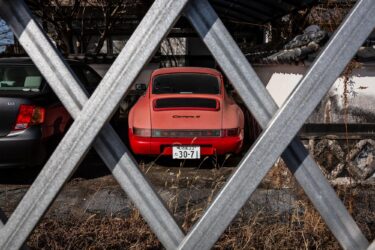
186,112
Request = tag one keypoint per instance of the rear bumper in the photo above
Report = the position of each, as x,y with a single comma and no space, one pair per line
22,150
209,146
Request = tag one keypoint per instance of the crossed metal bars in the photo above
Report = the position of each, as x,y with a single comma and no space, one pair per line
92,114
89,121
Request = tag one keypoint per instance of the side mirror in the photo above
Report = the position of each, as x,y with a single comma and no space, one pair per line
140,86
228,87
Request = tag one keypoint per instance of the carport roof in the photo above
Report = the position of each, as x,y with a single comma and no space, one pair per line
256,11
236,14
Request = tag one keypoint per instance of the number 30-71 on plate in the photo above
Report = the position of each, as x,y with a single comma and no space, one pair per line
186,152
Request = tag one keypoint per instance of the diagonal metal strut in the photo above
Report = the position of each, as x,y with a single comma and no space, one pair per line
73,147
260,103
312,88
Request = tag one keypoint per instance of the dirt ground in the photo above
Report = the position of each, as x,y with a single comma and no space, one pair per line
93,212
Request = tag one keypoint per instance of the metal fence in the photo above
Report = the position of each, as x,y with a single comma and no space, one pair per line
91,127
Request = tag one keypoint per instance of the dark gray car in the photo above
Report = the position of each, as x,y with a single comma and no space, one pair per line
32,119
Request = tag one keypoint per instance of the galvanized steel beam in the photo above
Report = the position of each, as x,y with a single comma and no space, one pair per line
262,106
73,147
283,127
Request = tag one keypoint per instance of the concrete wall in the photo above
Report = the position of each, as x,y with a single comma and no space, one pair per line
281,80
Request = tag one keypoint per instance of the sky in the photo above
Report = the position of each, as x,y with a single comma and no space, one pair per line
6,36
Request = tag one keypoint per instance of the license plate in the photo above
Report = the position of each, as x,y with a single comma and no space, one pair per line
186,152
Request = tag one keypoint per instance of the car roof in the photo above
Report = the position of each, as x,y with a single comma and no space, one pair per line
198,70
28,61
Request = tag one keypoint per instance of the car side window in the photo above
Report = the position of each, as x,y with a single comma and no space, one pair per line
87,76
20,78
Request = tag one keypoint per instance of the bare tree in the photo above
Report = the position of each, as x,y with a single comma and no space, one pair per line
173,48
111,10
59,15
67,21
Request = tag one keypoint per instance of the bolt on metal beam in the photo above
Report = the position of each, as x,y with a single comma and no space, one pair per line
139,48
260,103
312,88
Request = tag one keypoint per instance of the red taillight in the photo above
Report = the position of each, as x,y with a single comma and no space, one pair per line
29,115
232,132
143,132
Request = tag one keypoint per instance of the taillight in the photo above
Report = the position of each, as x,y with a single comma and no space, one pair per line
29,115
231,132
143,132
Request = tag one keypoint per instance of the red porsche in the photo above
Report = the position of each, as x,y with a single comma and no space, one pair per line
185,113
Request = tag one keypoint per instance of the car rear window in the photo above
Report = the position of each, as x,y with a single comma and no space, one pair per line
186,83
26,79
20,79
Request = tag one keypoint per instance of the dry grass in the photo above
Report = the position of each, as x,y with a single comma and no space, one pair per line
94,233
303,229
300,227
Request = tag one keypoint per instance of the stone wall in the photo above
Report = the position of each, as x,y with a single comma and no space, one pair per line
351,160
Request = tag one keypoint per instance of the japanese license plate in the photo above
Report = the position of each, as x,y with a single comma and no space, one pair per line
186,152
